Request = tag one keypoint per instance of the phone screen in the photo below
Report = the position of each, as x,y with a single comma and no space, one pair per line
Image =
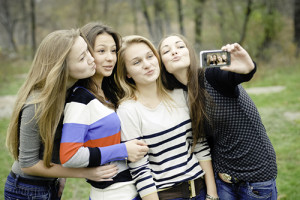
214,58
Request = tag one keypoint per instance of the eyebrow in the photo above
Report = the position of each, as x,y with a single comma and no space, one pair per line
175,43
139,57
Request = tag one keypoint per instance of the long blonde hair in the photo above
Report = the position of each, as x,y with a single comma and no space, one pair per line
126,84
48,78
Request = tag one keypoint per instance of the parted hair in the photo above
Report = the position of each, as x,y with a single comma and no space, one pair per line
127,85
109,87
47,80
197,95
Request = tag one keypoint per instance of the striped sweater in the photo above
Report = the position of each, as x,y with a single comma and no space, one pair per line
91,136
167,131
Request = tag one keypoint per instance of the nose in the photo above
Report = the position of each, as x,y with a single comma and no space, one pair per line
146,64
90,58
109,56
174,51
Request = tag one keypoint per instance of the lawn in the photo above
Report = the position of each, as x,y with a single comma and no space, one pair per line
280,113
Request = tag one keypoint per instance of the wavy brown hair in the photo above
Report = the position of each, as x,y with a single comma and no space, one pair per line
197,95
46,82
109,87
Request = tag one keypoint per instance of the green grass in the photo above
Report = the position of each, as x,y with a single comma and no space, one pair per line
283,132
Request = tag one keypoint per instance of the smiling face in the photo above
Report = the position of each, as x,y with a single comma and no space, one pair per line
105,55
141,64
174,54
80,62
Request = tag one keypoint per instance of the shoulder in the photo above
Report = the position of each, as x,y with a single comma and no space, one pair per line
128,105
80,95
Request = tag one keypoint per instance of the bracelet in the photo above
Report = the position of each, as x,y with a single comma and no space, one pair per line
212,198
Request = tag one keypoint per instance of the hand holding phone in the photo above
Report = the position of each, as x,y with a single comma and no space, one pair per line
214,58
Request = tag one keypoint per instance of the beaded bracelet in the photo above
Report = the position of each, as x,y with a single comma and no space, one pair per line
212,198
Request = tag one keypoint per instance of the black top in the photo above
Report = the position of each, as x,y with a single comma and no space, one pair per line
241,145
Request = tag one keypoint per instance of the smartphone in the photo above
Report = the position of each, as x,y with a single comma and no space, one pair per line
214,58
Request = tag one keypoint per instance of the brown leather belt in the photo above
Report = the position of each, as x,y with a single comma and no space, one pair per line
188,189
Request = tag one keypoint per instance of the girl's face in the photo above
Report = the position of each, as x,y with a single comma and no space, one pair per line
174,54
80,62
105,54
141,64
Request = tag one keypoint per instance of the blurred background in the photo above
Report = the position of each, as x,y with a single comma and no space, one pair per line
268,29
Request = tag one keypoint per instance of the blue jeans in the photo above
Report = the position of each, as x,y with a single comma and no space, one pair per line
18,190
200,196
244,190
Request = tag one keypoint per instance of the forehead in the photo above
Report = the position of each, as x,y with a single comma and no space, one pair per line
136,50
104,38
171,40
77,48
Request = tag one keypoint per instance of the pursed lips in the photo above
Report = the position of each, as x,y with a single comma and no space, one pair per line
176,58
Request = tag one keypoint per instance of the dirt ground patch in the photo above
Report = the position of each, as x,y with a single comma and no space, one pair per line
265,90
6,105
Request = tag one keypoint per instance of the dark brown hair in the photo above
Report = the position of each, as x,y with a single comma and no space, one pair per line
197,95
109,87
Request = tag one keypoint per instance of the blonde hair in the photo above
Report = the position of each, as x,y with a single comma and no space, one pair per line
127,85
48,78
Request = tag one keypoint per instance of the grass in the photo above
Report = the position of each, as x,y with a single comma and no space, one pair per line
284,133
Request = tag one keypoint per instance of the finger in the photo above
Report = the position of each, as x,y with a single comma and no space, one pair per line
142,143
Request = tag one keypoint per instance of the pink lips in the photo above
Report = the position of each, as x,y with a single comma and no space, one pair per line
176,58
110,67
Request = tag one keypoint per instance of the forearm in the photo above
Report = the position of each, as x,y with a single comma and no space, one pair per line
209,177
152,196
56,171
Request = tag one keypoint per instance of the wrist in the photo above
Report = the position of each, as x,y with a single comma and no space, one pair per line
211,197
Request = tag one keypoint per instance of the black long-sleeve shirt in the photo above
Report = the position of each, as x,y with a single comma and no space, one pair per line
241,145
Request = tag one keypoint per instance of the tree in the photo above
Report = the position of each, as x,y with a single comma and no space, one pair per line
297,25
198,21
247,16
33,25
8,19
180,17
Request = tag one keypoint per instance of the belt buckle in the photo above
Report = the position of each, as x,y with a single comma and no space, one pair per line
227,178
192,188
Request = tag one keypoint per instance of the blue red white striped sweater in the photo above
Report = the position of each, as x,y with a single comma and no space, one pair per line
91,136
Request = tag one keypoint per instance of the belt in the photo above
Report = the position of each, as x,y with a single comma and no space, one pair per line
187,189
33,181
228,179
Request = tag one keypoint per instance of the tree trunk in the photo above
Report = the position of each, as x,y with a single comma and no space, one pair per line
158,12
134,14
246,20
147,18
8,20
198,22
33,26
297,25
180,17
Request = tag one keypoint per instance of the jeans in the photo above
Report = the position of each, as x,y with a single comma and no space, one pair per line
200,196
244,190
18,190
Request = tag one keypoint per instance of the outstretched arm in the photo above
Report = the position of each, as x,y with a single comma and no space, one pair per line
241,61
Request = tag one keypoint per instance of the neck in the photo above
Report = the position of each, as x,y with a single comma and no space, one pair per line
182,76
70,82
148,95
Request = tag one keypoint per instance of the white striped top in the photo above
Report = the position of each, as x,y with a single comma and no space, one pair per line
167,131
